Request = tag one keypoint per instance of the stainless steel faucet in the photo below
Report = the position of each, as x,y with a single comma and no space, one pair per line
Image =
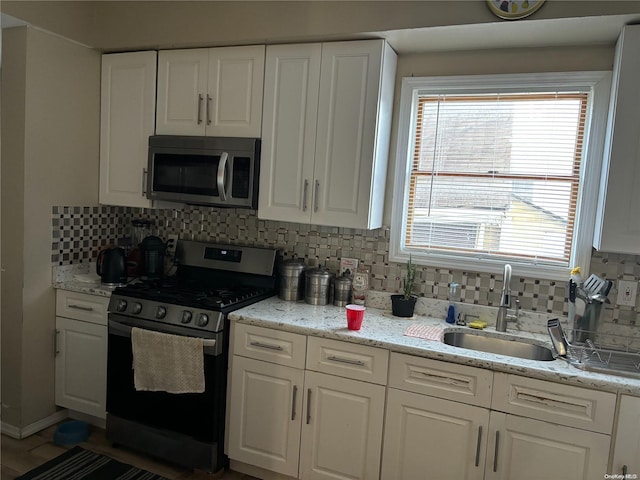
505,303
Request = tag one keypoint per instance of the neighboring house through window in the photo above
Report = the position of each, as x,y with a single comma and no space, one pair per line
499,169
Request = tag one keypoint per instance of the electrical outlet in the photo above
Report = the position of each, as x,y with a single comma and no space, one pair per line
172,241
627,292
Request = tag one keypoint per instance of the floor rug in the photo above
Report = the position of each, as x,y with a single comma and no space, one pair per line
81,464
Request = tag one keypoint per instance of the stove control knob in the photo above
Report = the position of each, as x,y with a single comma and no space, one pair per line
136,307
121,306
186,316
203,319
161,312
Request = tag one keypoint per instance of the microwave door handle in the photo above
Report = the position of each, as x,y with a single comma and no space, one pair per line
222,166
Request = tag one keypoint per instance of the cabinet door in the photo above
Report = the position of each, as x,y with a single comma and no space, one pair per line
618,222
427,437
182,91
128,107
342,429
292,76
626,453
350,87
234,92
531,450
265,415
81,366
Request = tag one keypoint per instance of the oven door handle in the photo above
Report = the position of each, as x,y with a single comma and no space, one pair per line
124,330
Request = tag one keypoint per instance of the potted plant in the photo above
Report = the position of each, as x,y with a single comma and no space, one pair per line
403,304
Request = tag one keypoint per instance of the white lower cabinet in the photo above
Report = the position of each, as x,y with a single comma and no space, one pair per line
287,421
529,449
265,415
81,353
342,429
427,437
465,435
626,451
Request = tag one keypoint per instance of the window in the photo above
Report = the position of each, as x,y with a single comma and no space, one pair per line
498,169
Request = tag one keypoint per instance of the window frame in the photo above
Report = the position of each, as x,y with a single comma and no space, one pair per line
599,85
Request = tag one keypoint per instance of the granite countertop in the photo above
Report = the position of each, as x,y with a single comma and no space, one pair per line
381,329
80,278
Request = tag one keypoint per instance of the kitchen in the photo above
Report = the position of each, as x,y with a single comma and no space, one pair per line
66,161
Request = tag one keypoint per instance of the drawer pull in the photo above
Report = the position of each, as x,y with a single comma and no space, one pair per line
550,402
333,358
55,342
308,406
445,379
81,307
293,402
266,345
478,445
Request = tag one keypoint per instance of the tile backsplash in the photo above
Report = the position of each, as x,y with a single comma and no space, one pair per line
79,231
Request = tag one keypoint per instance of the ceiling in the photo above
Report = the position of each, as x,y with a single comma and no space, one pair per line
602,30
559,32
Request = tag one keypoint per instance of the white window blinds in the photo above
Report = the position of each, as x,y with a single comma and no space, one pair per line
496,174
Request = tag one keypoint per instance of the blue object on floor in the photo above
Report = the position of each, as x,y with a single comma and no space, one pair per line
68,433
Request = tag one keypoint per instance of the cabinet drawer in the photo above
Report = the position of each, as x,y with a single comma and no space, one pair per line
274,346
359,362
82,306
562,404
441,379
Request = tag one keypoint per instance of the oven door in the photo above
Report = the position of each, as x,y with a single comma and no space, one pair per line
196,415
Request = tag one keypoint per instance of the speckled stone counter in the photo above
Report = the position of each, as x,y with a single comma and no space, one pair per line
80,278
381,329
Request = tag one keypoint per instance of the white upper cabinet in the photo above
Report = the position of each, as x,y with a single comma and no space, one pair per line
211,91
618,222
327,117
128,100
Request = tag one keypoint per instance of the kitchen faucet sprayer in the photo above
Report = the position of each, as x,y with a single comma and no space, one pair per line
505,303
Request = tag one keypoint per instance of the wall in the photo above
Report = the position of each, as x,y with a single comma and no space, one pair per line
14,47
59,118
79,231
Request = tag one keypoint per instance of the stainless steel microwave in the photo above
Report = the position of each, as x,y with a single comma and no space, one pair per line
212,171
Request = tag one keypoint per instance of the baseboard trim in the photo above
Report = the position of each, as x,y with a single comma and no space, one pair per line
24,432
257,472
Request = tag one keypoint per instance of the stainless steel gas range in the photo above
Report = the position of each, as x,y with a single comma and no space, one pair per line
211,280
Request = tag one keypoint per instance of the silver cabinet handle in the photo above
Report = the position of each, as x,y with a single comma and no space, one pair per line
360,363
222,167
81,307
208,109
315,197
308,406
293,403
478,446
199,108
265,345
144,181
495,452
56,348
304,195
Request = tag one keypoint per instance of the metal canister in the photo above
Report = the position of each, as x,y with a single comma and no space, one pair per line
317,286
292,280
342,291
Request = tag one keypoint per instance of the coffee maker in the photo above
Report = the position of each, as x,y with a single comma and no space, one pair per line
141,229
153,250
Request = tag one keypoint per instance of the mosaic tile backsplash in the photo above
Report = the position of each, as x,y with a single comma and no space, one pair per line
78,233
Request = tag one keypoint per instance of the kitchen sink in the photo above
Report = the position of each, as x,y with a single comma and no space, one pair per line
502,346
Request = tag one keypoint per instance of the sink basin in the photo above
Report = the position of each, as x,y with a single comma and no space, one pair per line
511,348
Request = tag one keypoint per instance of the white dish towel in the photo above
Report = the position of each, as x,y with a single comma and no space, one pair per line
167,363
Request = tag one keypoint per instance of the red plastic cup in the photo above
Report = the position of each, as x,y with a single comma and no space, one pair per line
355,315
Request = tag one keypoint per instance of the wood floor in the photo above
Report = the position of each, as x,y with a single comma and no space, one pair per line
20,456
